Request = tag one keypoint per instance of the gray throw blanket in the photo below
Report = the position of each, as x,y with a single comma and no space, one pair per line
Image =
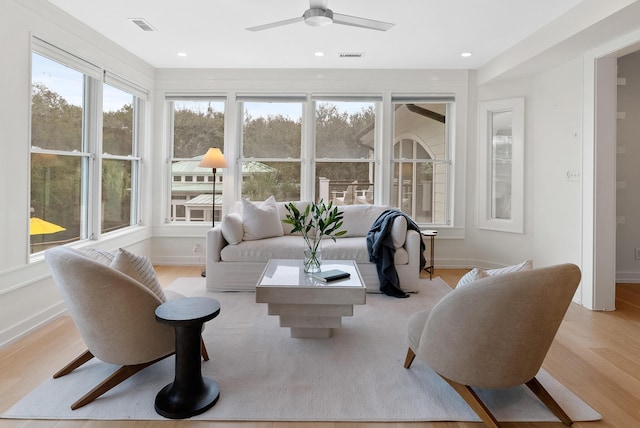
382,251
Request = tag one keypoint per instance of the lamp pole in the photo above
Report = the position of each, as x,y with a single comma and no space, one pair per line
213,202
213,159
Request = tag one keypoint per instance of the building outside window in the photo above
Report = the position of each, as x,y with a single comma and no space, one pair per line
197,124
421,161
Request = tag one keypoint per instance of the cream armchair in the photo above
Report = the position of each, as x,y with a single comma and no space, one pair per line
115,315
495,333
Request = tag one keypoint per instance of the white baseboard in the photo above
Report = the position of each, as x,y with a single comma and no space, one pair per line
628,277
190,260
27,326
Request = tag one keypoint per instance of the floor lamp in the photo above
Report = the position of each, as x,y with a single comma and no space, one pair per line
213,159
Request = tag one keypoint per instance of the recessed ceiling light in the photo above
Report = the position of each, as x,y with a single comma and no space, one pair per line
466,54
319,54
182,54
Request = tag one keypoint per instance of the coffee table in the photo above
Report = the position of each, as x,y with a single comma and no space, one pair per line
309,307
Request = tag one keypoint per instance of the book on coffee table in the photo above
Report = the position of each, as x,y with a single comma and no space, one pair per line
331,275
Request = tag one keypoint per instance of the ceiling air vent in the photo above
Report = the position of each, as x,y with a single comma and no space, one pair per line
144,25
351,55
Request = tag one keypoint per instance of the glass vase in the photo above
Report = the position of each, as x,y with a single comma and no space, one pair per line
312,260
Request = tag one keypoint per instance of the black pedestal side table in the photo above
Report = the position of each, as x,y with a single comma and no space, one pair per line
430,234
189,394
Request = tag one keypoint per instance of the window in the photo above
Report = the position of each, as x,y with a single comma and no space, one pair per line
197,124
59,154
501,165
271,148
65,156
119,161
421,160
344,151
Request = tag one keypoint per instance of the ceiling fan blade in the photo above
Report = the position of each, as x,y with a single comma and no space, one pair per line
276,24
356,21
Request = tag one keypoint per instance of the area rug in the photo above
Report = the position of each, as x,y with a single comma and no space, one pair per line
264,374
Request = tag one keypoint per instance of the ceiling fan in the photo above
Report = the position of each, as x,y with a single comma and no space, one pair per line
318,15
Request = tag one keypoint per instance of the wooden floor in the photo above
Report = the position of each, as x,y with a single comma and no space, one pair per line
595,354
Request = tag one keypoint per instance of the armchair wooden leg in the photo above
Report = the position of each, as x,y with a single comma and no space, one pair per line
544,396
409,359
117,377
474,402
77,362
205,354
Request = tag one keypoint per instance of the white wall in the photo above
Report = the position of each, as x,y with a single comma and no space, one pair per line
553,207
628,173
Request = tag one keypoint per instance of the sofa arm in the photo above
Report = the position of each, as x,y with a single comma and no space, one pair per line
215,244
412,245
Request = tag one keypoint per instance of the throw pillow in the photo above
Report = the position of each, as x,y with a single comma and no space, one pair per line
261,220
103,256
138,268
232,229
477,273
471,276
526,265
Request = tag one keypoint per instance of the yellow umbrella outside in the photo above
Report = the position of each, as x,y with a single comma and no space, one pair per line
43,227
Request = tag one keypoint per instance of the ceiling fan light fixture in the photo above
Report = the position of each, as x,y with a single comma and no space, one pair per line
316,17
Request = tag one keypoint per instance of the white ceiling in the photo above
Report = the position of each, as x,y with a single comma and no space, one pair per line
427,34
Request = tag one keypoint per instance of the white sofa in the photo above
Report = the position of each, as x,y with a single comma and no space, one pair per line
237,265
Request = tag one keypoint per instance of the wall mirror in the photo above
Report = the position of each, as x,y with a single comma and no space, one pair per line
501,165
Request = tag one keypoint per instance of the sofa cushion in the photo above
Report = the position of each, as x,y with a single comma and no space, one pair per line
281,247
138,268
260,220
358,219
292,247
232,229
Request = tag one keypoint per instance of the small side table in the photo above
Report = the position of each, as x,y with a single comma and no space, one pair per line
430,234
189,394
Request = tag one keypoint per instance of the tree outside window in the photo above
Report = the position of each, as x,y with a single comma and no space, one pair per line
345,166
271,144
118,149
59,160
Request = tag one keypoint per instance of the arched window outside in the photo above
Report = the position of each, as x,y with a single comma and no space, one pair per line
421,161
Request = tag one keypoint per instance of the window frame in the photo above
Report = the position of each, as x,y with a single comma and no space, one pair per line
449,100
139,98
305,156
486,109
170,100
94,77
376,100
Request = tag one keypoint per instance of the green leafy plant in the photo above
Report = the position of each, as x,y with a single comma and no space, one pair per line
313,223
